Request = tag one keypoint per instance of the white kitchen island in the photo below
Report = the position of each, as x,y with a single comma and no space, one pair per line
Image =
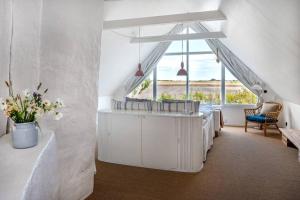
159,140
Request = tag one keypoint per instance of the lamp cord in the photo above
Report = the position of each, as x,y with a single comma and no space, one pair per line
139,44
10,49
182,50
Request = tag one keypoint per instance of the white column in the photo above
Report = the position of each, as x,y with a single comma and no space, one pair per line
70,43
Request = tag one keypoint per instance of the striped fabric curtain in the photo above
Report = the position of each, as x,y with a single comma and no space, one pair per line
239,69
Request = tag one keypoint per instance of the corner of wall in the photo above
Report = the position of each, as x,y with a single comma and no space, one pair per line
291,115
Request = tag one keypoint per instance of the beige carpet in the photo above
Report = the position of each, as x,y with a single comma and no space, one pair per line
239,166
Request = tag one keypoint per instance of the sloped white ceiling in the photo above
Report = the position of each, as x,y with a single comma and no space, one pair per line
119,58
264,34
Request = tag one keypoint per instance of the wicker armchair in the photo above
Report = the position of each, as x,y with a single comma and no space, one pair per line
264,120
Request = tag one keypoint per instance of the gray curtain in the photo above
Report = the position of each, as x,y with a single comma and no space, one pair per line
147,65
241,71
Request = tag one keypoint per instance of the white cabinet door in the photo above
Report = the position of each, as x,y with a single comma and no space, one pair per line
125,139
159,142
103,137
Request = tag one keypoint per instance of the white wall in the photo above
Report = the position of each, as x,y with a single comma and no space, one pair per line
70,50
119,60
137,8
233,115
58,42
291,115
4,54
25,45
265,35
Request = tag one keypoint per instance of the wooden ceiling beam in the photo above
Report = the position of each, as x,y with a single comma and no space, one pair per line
214,15
168,38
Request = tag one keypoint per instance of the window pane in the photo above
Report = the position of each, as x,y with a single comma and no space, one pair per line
169,85
205,78
176,47
236,92
198,46
144,90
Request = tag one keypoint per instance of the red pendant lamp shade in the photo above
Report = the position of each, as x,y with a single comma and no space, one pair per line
139,72
182,71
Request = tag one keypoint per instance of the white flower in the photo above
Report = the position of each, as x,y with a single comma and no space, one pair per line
58,116
29,109
2,104
60,102
51,112
26,92
46,102
39,113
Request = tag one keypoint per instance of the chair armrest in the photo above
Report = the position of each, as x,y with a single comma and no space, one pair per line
273,115
251,111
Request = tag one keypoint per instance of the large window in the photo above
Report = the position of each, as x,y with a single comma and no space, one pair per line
169,85
236,92
204,79
144,90
203,83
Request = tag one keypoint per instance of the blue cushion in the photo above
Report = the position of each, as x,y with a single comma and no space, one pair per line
260,118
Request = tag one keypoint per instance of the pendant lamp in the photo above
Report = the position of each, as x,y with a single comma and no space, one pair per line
182,71
139,72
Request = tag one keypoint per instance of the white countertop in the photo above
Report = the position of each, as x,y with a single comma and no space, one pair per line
152,113
17,166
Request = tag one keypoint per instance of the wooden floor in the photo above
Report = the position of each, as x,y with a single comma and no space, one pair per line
239,166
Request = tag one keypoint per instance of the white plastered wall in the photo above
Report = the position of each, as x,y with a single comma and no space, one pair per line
25,45
58,42
70,54
4,54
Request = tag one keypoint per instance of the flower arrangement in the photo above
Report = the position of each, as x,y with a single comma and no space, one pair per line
30,106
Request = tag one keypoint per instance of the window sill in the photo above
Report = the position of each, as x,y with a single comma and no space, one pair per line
239,105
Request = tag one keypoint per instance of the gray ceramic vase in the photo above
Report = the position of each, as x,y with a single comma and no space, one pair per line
24,135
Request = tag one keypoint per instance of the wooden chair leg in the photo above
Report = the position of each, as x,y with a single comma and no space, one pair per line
278,128
246,124
265,130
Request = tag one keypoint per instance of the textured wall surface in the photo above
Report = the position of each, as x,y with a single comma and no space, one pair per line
4,53
25,45
291,115
70,43
268,42
57,42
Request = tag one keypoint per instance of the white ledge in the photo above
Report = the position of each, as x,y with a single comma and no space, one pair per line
163,114
18,168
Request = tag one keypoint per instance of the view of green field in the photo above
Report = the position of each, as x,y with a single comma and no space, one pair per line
203,91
